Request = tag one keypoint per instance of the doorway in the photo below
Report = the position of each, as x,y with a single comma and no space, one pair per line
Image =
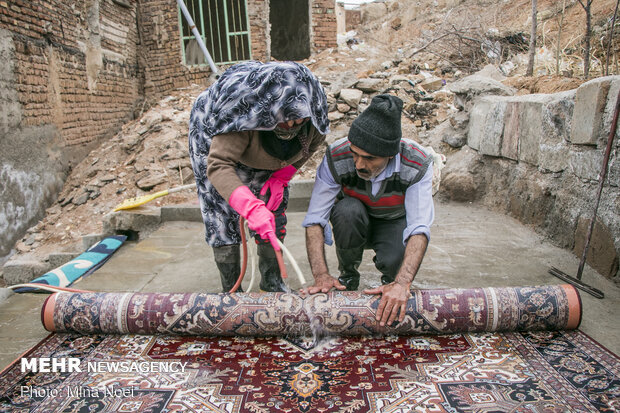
290,29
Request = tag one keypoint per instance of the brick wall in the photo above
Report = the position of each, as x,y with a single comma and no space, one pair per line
258,11
71,63
324,25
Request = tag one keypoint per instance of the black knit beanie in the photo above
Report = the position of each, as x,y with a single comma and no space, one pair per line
377,129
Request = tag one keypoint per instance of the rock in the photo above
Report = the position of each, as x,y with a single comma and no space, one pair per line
152,118
432,84
459,120
397,79
5,293
456,140
491,72
92,171
343,108
369,85
380,75
392,5
91,188
470,87
60,258
443,96
138,220
424,109
396,23
334,116
459,181
65,200
486,125
21,247
19,271
173,153
331,103
53,210
176,163
446,133
131,141
351,97
81,198
602,253
151,180
589,108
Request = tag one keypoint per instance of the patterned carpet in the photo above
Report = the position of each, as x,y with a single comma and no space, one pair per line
477,372
338,313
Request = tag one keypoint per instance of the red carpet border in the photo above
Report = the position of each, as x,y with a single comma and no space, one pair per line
432,311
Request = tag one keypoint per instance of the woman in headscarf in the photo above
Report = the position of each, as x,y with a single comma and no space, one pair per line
248,135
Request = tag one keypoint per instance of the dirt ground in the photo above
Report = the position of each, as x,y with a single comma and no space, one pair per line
150,153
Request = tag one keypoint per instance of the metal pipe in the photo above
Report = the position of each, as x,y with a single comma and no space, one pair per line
194,30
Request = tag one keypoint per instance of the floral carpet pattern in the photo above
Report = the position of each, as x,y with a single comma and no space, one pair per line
543,371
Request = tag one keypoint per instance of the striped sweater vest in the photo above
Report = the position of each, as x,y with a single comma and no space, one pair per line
389,202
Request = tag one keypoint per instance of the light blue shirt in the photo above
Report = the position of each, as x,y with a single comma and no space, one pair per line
419,207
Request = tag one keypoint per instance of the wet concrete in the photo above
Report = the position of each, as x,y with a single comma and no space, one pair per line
470,247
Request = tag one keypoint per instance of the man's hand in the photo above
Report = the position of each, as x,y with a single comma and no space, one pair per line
393,302
323,283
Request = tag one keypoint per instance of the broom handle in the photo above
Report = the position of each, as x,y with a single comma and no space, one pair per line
181,188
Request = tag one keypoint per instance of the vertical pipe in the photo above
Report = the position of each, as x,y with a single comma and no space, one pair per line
225,7
192,26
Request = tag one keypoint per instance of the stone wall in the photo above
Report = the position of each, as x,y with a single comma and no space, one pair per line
541,156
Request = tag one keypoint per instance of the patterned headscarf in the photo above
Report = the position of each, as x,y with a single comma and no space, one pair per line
257,96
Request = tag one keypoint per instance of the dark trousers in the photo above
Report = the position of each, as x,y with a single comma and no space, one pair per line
354,230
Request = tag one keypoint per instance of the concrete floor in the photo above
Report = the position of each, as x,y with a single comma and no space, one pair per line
470,247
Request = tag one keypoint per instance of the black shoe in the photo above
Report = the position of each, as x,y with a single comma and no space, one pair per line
351,281
349,261
386,279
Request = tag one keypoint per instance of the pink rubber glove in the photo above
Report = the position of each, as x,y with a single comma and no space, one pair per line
276,184
259,218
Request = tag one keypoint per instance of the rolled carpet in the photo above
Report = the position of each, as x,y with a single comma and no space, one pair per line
432,311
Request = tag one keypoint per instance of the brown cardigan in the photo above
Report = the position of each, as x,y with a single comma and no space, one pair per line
244,147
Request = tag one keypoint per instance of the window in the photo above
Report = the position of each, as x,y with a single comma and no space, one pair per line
224,27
